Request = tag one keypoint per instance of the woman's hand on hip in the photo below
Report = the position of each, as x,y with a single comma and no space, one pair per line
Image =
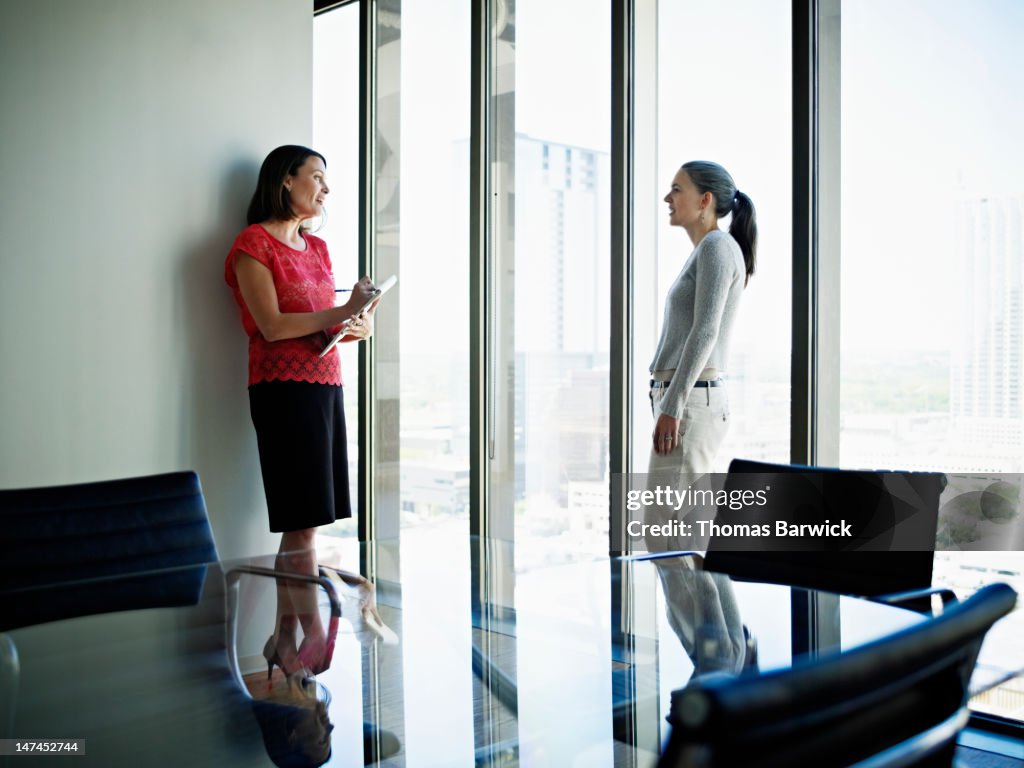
666,434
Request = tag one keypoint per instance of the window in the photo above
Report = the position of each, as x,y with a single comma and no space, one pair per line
551,302
336,136
433,258
932,321
743,123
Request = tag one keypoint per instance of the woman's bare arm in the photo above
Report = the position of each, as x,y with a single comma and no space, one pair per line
256,284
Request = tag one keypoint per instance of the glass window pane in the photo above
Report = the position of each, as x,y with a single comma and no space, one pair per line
932,360
724,85
432,368
740,118
434,262
558,279
336,136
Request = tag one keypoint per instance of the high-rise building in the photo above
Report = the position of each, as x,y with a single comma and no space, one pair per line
561,233
987,371
561,242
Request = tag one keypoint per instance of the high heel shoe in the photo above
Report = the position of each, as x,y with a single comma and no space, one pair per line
271,655
314,656
372,621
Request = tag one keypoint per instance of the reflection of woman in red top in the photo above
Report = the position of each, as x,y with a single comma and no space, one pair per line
281,278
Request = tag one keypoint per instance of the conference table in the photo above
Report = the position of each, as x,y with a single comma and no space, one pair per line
480,662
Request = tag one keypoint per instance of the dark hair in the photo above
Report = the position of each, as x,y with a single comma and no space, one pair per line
271,201
713,178
292,735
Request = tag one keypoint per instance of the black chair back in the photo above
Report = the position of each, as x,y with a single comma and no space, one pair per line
900,700
62,547
814,494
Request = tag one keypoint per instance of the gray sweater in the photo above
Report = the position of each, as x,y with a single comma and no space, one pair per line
699,314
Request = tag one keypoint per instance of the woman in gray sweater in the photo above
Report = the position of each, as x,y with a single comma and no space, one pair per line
687,392
689,402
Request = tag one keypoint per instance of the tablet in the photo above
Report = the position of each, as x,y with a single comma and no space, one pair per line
383,288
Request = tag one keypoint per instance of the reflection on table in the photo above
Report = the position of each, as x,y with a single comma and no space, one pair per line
486,665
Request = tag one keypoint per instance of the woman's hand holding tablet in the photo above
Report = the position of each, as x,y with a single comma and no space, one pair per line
383,288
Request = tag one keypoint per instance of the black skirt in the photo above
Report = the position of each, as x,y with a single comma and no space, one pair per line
300,430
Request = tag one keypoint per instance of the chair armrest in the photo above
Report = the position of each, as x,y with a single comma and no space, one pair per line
907,599
237,571
231,579
350,579
698,556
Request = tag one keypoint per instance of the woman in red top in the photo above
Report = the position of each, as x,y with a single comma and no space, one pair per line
281,278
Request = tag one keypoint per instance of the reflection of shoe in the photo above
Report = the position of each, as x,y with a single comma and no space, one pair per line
750,655
358,597
378,744
373,624
316,656
311,655
273,657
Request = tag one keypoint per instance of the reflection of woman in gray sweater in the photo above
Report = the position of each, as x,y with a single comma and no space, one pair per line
687,393
689,402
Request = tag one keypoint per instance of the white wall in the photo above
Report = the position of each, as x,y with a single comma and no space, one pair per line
132,131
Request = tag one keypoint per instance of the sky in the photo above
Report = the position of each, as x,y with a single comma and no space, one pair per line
932,99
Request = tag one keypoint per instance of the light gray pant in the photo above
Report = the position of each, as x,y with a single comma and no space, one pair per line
701,606
703,426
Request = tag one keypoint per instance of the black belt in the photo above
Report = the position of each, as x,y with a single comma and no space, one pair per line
697,383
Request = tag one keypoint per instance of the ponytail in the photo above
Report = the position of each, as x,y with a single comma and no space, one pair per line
743,229
713,178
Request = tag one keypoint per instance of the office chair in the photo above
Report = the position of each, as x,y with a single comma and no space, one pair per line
86,534
904,507
899,701
123,545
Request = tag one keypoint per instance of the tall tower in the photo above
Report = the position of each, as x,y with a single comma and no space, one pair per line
561,224
561,328
987,369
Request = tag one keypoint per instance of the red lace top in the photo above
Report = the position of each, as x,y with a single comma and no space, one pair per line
304,283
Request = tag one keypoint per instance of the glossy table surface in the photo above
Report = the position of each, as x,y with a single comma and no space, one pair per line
553,664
